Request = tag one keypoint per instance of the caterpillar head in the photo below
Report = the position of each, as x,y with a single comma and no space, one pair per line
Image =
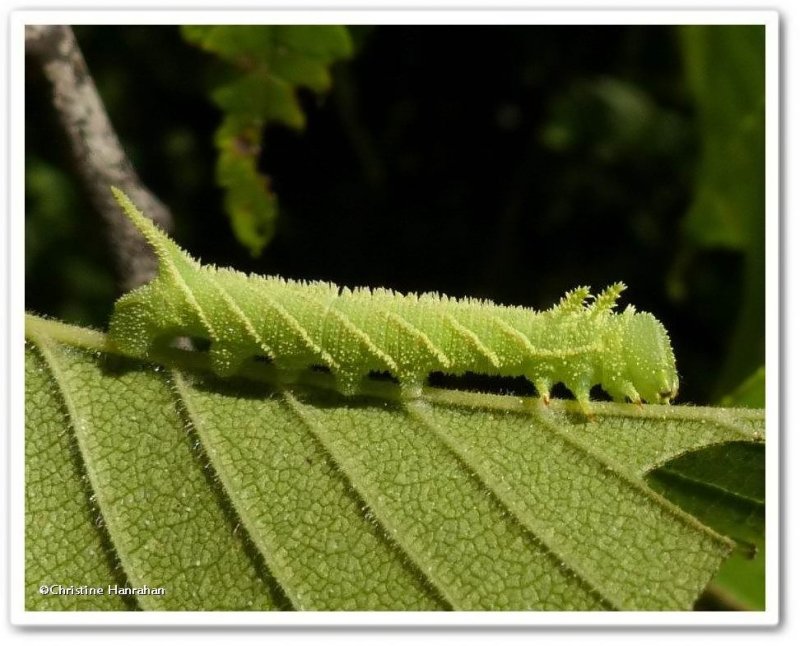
648,357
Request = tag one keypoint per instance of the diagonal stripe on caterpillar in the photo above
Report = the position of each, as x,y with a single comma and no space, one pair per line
579,342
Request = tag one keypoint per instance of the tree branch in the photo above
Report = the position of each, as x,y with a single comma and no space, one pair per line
100,158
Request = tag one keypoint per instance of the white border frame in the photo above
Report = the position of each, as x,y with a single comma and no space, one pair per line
19,616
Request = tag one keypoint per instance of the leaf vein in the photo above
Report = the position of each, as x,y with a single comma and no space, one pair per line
416,409
410,558
46,351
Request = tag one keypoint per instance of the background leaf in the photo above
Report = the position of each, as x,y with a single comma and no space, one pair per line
725,67
751,393
239,494
725,487
697,483
272,62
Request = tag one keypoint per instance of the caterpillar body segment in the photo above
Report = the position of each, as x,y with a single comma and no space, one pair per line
580,342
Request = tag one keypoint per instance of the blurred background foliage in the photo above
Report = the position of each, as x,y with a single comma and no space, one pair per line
510,162
271,62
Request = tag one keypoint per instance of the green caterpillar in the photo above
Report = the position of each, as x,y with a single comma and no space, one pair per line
580,342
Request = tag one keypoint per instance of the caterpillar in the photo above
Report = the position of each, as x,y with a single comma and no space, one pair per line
580,342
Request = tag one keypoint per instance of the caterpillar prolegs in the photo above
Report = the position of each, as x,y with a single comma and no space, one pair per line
579,342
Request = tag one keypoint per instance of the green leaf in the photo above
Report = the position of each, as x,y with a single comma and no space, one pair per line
725,69
64,536
271,62
725,487
249,494
725,66
736,511
751,393
158,508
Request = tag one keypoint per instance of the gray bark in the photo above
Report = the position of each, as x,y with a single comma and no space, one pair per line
100,159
